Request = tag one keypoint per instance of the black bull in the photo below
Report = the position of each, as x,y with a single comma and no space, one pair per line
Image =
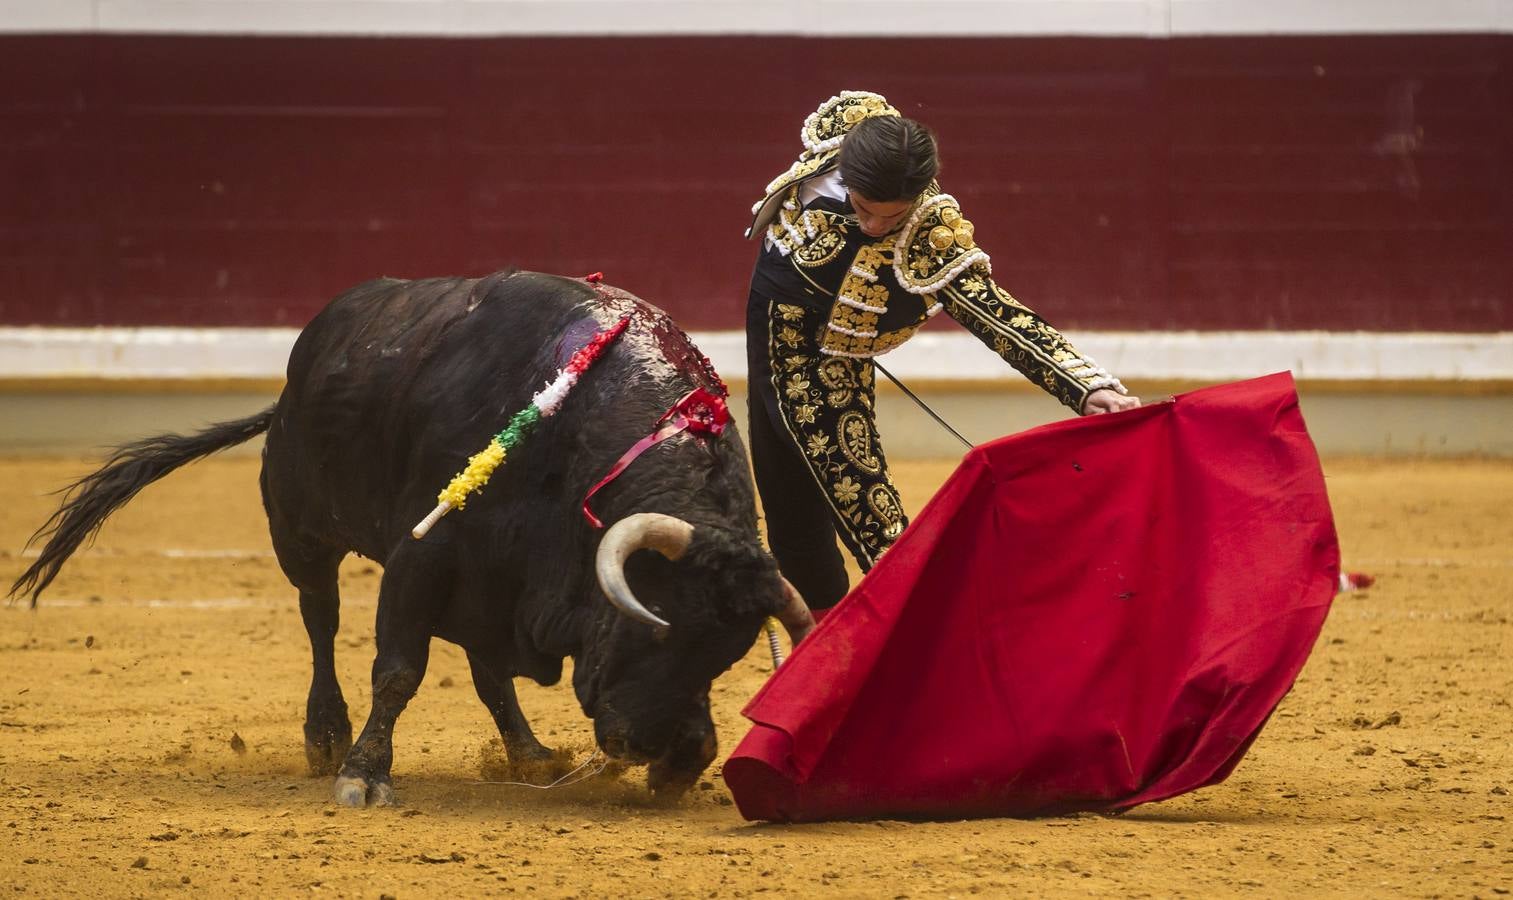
390,389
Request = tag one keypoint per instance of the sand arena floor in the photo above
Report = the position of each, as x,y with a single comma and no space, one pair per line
150,738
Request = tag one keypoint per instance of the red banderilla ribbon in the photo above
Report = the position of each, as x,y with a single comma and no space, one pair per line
698,412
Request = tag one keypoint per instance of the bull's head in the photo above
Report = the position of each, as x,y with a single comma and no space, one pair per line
696,610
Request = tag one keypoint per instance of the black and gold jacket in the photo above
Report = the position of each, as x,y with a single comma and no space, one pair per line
868,295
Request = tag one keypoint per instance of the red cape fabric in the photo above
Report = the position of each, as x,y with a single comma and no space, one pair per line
1090,615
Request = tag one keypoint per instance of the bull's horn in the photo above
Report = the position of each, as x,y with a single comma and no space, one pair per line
795,615
667,535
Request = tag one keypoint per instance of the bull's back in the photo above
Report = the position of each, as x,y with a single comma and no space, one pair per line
389,374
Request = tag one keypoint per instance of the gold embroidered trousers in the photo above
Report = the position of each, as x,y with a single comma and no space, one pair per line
819,464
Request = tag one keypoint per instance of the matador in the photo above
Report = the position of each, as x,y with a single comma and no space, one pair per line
843,276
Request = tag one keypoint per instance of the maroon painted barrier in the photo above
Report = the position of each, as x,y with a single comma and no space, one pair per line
1223,183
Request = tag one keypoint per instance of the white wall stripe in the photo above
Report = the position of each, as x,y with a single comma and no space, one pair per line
1200,17
47,15
1136,18
261,353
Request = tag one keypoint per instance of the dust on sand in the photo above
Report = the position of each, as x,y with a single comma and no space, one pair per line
150,738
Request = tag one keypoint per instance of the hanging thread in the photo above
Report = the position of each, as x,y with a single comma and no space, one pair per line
596,756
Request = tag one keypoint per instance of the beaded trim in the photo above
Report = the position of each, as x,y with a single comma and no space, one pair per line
853,333
857,304
1087,367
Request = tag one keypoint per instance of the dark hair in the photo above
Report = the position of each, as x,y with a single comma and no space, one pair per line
888,158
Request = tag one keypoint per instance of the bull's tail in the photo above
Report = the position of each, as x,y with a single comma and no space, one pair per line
88,502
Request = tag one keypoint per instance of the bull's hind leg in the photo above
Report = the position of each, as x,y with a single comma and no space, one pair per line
498,693
328,731
408,600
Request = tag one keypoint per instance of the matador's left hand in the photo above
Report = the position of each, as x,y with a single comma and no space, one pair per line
1106,400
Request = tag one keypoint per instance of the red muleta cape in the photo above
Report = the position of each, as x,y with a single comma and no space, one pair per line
1090,615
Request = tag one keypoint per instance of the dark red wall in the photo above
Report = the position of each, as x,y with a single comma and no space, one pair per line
1341,183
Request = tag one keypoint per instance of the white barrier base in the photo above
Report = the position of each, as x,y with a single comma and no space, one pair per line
938,357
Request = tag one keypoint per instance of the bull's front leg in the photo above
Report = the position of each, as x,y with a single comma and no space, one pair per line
497,691
407,604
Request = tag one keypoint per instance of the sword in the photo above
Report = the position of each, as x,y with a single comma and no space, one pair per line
910,394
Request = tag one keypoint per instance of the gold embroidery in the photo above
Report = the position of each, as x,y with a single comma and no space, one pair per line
812,237
892,339
822,134
870,258
826,126
839,442
856,442
962,234
852,330
846,490
836,374
886,506
859,306
797,387
827,243
1004,297
936,245
802,168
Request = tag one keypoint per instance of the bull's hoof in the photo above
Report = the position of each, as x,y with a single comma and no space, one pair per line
529,762
669,785
357,792
325,757
327,741
533,755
